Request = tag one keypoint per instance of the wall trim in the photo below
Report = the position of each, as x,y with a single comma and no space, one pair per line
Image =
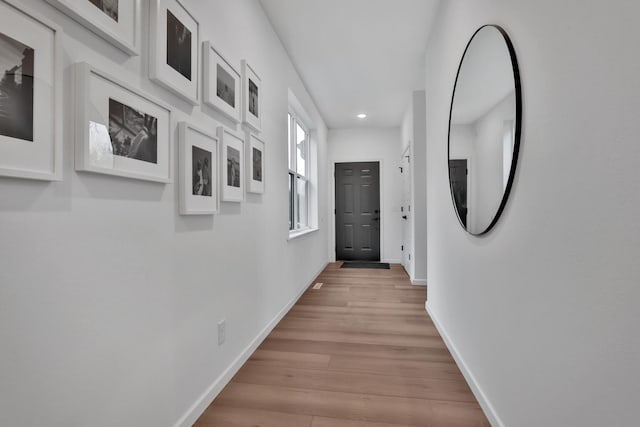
484,402
419,282
203,402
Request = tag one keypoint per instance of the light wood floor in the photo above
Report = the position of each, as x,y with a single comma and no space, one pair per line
360,351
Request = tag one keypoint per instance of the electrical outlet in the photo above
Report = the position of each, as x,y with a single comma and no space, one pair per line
222,331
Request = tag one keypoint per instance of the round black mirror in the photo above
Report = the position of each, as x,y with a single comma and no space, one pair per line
484,129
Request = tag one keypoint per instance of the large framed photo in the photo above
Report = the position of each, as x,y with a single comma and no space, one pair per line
251,94
30,94
255,164
120,130
198,171
221,83
231,165
116,21
174,42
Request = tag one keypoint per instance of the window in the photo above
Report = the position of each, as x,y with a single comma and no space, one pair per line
299,173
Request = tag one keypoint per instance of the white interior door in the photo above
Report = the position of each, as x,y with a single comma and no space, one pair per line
407,223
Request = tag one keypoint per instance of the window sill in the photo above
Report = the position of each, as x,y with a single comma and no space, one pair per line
299,233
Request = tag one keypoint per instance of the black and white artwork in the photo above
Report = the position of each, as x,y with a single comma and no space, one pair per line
253,98
226,86
116,21
178,46
201,167
109,7
251,93
16,89
221,83
257,164
133,133
198,170
233,167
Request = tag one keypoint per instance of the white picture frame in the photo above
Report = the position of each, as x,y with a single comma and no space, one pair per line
251,97
119,130
222,84
255,164
118,26
198,171
31,132
171,64
231,165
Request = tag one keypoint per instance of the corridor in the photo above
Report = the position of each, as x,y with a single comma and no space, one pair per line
359,351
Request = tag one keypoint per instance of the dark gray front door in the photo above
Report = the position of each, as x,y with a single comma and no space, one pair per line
358,211
458,178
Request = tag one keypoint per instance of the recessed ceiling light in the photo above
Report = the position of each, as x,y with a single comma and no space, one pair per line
362,116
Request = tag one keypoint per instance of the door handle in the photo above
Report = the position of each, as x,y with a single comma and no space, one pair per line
404,217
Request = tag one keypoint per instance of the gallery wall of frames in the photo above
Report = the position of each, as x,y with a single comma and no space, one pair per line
135,212
119,129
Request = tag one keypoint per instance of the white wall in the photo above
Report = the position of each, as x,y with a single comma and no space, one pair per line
372,144
543,311
109,299
488,161
414,134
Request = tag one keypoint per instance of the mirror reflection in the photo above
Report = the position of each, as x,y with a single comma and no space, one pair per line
484,129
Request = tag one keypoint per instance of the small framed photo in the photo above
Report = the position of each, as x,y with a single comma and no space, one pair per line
251,93
173,51
116,21
30,94
255,164
198,171
120,130
231,165
221,83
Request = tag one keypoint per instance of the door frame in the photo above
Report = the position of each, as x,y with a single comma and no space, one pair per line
408,246
332,205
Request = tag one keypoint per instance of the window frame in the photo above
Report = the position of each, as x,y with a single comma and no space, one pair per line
294,176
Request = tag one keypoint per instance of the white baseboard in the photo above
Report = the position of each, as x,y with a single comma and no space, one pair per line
486,406
203,402
419,282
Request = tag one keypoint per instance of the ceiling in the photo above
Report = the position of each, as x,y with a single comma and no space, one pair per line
356,55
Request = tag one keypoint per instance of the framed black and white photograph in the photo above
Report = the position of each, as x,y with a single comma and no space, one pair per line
231,165
198,169
116,21
255,164
251,94
174,44
30,94
120,130
221,83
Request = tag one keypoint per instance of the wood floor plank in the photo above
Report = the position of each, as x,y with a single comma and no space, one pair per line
453,389
404,368
290,359
360,337
352,406
226,416
357,324
360,351
334,422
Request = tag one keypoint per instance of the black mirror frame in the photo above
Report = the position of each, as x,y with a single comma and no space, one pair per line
518,129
